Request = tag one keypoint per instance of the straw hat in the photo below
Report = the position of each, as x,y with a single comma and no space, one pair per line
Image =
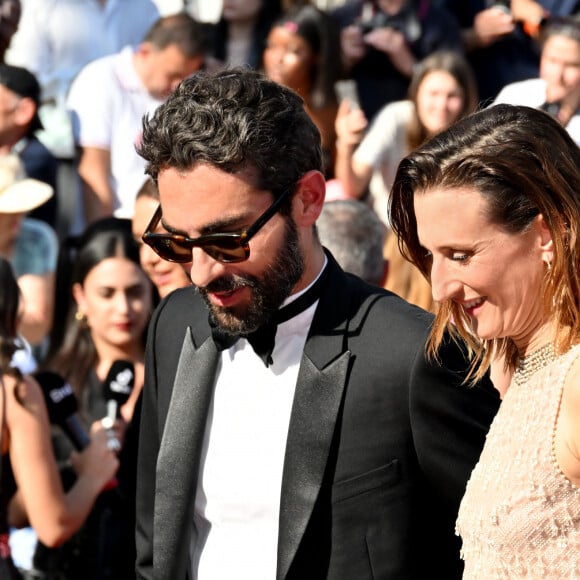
19,194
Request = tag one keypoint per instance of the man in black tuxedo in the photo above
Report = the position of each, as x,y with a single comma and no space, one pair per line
343,452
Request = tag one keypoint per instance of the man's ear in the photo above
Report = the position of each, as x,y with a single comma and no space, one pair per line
25,111
309,198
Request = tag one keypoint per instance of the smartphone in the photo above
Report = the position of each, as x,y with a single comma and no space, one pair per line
347,89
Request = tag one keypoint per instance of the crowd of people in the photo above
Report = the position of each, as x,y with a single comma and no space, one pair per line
289,289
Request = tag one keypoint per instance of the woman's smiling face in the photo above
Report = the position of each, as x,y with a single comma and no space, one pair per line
495,276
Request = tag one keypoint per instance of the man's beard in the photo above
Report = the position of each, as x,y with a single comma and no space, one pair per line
268,292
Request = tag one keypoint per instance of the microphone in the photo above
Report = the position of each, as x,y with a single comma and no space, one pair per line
62,407
116,390
117,387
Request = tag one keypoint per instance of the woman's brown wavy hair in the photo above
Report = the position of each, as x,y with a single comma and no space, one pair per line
524,163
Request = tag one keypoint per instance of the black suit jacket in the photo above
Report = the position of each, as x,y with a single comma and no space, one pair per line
380,445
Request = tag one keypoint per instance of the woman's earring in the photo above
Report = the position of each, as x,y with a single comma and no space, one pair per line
81,318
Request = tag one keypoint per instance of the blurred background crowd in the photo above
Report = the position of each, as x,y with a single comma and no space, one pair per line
378,77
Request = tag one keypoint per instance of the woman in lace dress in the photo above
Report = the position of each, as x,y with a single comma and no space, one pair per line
489,211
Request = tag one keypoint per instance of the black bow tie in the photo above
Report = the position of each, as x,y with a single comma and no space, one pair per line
264,338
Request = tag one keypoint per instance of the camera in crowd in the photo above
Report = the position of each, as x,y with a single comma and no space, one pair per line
552,108
406,21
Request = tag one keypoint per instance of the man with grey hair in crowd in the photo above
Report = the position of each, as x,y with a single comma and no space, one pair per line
355,235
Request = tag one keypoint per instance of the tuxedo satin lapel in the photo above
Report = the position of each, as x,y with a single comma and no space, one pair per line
319,393
179,456
314,413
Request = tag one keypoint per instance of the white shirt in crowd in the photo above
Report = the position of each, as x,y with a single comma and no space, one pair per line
112,119
532,93
57,38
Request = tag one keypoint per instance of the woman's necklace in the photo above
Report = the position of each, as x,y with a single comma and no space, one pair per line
532,363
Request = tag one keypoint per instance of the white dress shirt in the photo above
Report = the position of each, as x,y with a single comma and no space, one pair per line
237,505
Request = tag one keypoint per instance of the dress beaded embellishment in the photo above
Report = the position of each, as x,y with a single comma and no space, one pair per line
531,364
520,516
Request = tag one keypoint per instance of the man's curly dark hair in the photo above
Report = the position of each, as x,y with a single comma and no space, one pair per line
234,120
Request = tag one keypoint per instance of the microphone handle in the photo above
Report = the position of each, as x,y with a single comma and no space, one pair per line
81,440
109,421
112,410
76,432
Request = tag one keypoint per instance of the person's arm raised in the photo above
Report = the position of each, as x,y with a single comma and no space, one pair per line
54,515
95,173
350,125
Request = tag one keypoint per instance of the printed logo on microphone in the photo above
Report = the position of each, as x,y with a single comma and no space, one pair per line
57,395
123,382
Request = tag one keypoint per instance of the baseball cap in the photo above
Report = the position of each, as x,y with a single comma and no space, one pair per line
18,193
22,82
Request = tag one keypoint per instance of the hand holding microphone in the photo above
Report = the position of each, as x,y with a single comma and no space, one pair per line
62,407
117,389
97,462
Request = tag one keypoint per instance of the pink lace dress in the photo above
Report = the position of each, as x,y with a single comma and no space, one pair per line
520,516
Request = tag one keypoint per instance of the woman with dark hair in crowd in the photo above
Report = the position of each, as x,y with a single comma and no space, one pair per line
303,53
104,300
27,464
